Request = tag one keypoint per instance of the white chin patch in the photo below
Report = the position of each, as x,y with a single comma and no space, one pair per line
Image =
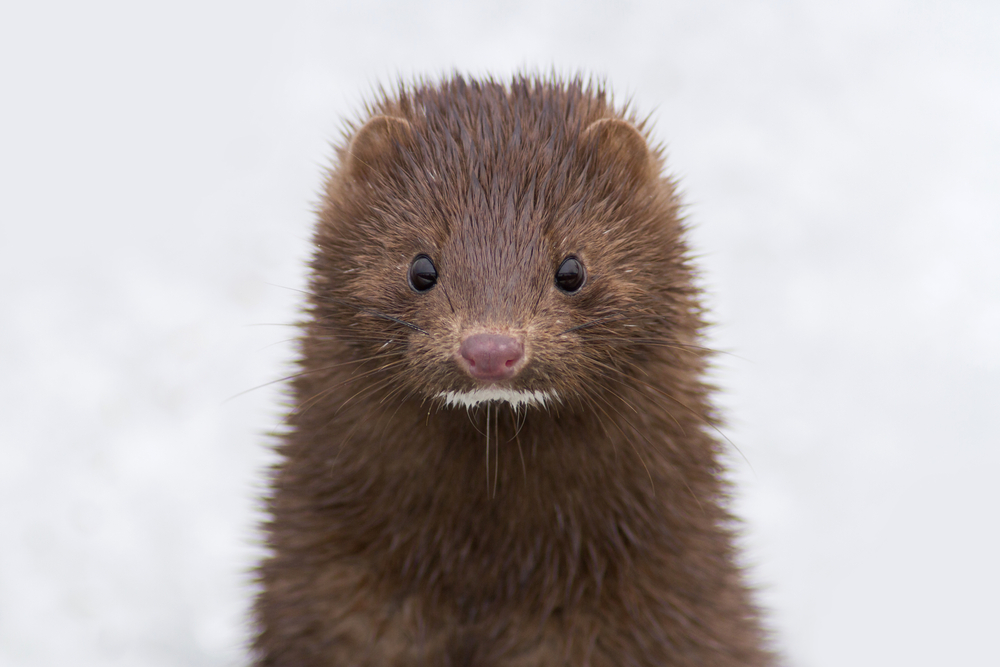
515,398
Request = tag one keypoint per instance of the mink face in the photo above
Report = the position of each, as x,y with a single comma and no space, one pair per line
533,221
514,246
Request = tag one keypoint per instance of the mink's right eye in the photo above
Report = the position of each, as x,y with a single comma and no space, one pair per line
570,275
423,275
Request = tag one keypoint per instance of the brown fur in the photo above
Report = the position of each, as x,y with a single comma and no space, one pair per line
589,532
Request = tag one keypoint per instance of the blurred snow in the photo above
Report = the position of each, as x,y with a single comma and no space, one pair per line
158,163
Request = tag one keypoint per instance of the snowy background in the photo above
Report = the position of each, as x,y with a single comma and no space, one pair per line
157,168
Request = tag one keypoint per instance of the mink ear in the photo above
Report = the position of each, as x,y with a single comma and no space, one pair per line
618,145
377,146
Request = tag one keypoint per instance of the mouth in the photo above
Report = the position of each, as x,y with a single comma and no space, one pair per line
513,397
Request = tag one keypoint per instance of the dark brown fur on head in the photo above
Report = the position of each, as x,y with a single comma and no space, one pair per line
578,517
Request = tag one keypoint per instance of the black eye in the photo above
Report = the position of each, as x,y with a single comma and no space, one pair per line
570,275
423,275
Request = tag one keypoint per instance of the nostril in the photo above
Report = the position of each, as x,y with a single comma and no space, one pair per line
510,362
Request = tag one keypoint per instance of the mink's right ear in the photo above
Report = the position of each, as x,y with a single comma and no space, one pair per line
377,146
620,148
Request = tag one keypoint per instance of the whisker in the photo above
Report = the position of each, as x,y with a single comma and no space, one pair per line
374,313
356,394
311,371
448,298
292,289
342,441
689,409
620,381
593,323
496,447
666,343
487,450
517,429
519,420
469,410
607,435
326,391
698,352
394,392
652,486
652,448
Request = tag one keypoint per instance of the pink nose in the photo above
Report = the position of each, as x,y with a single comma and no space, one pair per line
491,357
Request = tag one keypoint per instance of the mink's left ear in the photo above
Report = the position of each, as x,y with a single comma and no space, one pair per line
618,146
378,146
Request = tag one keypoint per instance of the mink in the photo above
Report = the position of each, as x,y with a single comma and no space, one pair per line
501,449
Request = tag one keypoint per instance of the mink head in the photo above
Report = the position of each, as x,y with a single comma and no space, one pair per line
517,242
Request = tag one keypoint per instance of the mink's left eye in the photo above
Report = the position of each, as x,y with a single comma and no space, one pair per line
570,275
423,275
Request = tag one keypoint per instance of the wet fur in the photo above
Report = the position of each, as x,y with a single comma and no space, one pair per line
591,530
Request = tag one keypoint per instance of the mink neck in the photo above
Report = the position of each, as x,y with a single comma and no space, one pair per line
539,452
432,494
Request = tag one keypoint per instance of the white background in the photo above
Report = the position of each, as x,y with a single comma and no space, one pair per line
158,165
